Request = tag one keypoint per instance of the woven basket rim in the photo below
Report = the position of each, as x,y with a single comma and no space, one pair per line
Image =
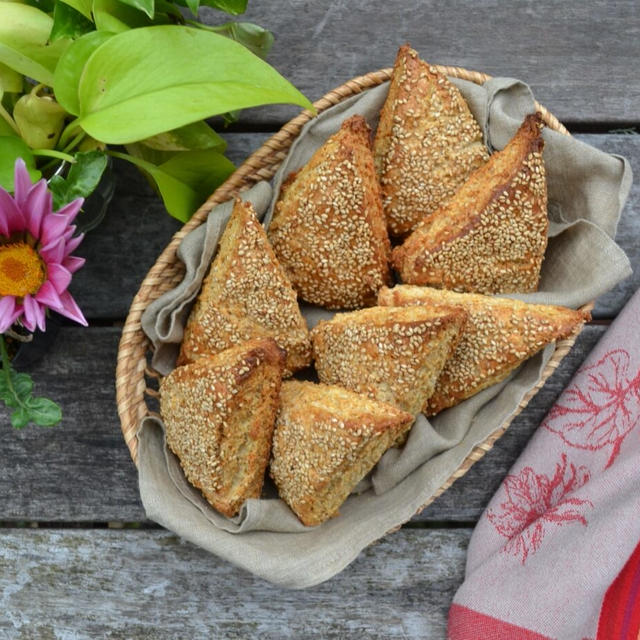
133,349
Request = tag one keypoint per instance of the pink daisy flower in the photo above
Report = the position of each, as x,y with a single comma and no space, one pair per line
35,254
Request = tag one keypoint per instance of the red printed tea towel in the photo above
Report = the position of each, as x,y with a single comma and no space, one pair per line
556,554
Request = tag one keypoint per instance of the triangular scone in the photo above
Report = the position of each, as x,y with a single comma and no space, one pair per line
426,145
246,295
394,355
499,335
326,440
492,235
219,414
328,229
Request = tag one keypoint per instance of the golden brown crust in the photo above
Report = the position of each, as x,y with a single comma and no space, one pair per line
492,235
326,440
394,355
328,229
246,295
219,415
427,143
499,335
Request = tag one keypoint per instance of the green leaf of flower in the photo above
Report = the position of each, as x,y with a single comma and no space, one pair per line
145,81
82,179
15,392
68,23
43,412
24,41
11,148
70,67
20,417
22,385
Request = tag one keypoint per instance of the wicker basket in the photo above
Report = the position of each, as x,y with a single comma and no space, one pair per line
132,369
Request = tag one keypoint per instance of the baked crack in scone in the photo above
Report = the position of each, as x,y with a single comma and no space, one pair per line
492,235
394,355
326,440
219,414
499,335
246,295
328,229
427,143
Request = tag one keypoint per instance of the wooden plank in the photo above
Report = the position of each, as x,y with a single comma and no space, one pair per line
150,584
628,236
136,230
575,55
81,470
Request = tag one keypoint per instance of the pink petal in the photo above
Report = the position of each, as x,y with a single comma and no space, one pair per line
7,312
36,205
68,234
71,209
30,318
73,244
73,263
54,252
70,309
58,276
21,182
11,218
40,316
53,227
48,296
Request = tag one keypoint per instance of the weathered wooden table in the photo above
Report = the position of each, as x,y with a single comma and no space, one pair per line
78,559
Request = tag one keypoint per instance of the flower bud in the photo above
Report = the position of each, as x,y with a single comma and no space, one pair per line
40,120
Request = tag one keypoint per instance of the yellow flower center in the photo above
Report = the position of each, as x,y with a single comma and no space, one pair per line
21,270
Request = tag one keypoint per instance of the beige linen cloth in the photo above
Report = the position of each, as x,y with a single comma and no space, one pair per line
587,189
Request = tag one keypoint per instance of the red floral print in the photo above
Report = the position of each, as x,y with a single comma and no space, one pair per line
601,408
533,501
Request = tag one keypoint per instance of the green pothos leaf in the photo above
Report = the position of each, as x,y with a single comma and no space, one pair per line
147,6
11,148
186,179
68,23
82,179
233,7
124,97
258,40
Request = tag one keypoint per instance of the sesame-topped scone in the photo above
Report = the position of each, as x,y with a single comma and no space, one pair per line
394,355
492,235
219,414
328,229
246,295
427,142
499,335
326,440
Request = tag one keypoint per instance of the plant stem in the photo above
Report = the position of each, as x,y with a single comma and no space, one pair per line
75,141
68,132
6,366
10,121
52,153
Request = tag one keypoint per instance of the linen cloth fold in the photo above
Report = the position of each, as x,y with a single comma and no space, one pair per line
544,558
587,189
